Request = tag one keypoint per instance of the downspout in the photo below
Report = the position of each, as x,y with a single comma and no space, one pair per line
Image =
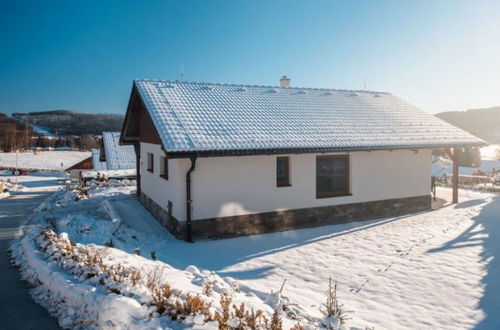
189,202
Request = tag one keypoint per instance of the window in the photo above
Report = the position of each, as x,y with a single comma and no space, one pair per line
282,172
164,168
332,176
150,162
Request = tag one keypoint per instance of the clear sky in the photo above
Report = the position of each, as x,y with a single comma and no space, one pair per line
83,55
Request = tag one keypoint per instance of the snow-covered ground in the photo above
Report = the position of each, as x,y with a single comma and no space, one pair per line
490,152
432,270
42,160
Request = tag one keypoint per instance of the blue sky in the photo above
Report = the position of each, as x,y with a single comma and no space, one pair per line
83,55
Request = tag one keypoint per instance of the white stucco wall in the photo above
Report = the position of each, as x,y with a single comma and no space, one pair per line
224,186
161,190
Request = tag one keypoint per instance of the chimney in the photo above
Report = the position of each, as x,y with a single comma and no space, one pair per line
285,81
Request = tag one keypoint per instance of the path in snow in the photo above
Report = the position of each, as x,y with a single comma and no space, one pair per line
17,309
433,270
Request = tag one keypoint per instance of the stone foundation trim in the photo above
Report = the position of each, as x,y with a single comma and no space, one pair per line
268,222
176,227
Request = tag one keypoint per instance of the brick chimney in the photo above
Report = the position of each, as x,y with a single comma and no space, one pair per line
285,81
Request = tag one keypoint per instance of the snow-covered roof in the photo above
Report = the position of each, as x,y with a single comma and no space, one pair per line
117,157
193,116
96,163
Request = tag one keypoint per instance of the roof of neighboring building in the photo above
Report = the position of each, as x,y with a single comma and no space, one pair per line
96,162
200,117
117,157
85,164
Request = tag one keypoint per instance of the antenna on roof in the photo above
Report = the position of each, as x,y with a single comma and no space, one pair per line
364,83
182,72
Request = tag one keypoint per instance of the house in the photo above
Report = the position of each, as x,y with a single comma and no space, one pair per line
221,160
115,156
112,160
97,164
82,166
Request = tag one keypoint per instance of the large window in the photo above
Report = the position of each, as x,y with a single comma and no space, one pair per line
282,172
150,162
164,168
332,176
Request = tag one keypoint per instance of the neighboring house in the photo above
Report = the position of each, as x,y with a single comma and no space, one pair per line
221,160
85,164
76,169
115,156
97,165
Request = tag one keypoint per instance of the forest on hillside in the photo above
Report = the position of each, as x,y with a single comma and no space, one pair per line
18,134
70,123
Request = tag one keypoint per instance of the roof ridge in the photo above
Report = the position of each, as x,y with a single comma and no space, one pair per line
191,82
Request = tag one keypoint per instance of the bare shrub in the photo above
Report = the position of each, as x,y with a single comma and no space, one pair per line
117,273
208,289
249,319
276,322
90,262
223,318
297,326
161,297
332,308
135,276
192,305
154,277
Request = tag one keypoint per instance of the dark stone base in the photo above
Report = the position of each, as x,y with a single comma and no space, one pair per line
268,222
177,228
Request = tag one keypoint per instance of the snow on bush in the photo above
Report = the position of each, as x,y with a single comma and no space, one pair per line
90,286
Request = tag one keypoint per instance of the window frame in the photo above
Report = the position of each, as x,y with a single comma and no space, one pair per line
348,177
164,167
151,162
286,182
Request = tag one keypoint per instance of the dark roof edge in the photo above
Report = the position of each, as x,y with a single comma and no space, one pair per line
278,151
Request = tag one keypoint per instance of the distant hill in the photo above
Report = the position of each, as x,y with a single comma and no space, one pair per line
484,123
66,122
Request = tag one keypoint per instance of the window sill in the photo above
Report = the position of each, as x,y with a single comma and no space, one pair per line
150,171
333,195
164,177
283,185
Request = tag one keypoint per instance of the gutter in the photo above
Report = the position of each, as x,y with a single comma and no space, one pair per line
189,202
278,151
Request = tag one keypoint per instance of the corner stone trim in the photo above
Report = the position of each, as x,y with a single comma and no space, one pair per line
176,227
249,224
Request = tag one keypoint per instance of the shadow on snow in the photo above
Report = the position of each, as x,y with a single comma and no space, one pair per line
485,232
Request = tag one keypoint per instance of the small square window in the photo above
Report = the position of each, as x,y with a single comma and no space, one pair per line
164,168
282,172
150,162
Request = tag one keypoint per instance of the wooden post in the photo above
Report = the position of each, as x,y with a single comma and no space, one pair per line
454,179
